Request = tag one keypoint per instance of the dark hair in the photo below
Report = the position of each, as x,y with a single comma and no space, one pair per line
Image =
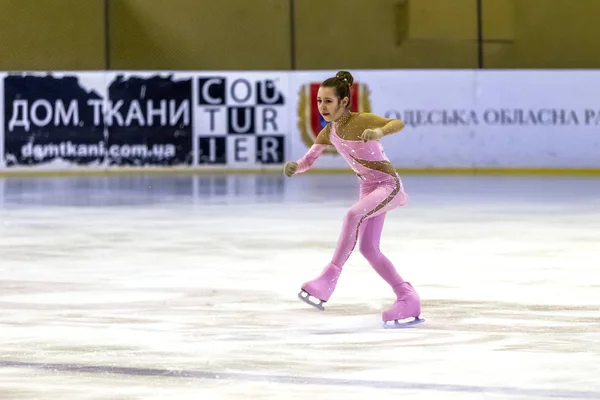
341,82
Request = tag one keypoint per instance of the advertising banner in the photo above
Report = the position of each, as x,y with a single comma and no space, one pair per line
241,120
148,119
468,119
49,120
437,108
65,120
96,120
539,119
2,162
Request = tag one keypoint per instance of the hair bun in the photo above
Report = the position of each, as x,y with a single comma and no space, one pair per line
346,77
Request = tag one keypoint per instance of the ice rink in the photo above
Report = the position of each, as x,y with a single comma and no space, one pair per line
185,287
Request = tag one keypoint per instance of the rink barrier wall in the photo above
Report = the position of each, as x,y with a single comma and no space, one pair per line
457,121
581,172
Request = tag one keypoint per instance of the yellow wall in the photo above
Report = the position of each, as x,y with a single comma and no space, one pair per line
439,34
200,34
52,34
254,35
542,33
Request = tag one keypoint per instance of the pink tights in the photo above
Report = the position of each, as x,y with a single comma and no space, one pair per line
364,222
370,234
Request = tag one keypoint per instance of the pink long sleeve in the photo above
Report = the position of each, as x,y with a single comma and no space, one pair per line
310,157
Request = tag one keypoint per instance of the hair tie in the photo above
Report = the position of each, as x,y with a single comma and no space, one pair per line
345,80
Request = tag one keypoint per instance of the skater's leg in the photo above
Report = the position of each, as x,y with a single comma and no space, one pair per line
408,303
371,205
370,237
380,200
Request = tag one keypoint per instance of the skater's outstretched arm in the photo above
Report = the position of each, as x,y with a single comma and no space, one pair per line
304,164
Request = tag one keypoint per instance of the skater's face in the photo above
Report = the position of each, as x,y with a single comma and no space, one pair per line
331,107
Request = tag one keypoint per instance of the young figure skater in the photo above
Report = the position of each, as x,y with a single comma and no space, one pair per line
356,138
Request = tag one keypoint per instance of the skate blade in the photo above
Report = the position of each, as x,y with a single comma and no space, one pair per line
305,297
399,324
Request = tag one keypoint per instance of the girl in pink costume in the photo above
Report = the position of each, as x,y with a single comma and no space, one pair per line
356,138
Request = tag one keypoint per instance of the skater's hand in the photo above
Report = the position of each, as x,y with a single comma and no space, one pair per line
290,168
372,134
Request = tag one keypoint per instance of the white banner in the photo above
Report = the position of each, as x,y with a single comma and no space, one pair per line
398,94
470,119
547,119
460,119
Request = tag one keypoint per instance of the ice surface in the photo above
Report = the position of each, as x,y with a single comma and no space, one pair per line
184,287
